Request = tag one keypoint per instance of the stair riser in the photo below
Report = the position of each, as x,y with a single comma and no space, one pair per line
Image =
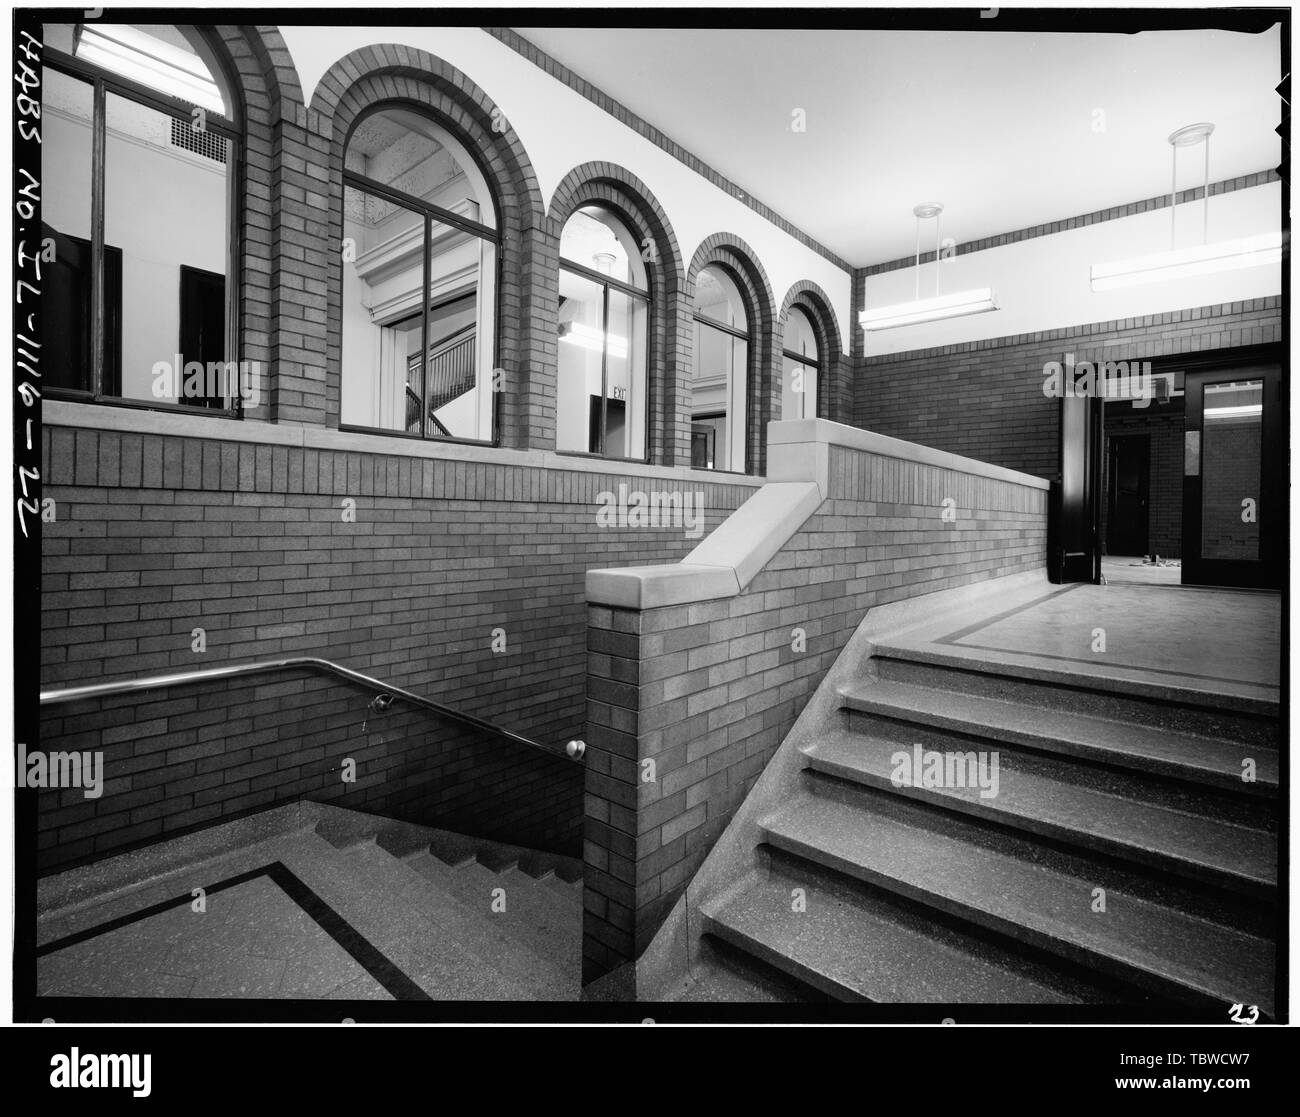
870,718
804,976
989,810
1157,713
1246,915
1143,979
1098,772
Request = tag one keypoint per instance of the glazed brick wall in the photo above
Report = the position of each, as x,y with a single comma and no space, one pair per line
984,399
157,535
708,691
1165,424
196,755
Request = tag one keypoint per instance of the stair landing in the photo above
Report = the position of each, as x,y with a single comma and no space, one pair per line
321,903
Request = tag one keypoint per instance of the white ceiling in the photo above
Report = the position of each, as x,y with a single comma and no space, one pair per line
997,126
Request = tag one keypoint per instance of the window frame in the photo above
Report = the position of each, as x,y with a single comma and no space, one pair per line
747,335
430,213
103,82
802,358
606,282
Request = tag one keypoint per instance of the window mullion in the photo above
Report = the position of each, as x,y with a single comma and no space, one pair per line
97,158
424,325
604,363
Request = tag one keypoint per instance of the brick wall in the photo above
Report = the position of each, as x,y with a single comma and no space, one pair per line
985,400
157,535
707,691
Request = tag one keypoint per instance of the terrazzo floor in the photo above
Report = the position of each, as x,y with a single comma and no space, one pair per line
1208,640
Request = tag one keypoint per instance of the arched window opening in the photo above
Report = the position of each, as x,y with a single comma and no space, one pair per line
603,348
720,375
419,281
799,367
139,156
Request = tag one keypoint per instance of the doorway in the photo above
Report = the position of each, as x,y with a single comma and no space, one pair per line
1128,485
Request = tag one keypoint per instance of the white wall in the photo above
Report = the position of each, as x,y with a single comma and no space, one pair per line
561,129
1044,284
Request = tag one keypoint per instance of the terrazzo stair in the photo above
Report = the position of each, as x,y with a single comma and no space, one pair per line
317,902
1122,861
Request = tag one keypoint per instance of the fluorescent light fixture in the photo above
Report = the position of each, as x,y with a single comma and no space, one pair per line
1240,409
1183,263
150,61
593,339
976,301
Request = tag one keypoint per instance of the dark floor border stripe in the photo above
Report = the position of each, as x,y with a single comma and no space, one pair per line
145,913
953,637
369,957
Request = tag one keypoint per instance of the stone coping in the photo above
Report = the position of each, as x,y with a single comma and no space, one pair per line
102,417
798,482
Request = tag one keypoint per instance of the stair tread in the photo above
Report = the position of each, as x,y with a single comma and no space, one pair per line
1043,905
449,951
440,964
1184,754
857,947
547,925
1121,824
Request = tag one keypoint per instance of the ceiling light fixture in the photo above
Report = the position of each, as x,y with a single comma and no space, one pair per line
1203,259
935,309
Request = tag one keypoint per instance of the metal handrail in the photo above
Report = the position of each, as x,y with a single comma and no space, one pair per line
573,750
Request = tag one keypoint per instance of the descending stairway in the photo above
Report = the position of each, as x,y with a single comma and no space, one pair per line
436,915
1108,793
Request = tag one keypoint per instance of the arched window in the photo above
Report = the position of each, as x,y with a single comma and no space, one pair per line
139,149
419,281
721,364
799,367
604,311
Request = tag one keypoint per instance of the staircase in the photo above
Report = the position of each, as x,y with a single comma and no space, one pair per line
1122,861
428,914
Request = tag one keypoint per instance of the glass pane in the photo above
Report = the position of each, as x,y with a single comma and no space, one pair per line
1232,426
157,56
411,153
166,201
383,270
798,389
718,298
596,239
66,140
718,393
462,301
577,418
800,338
625,375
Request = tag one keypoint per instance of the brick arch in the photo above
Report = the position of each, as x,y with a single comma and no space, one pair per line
262,78
632,201
741,262
834,389
399,74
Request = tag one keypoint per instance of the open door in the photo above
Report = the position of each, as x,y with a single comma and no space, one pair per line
1234,465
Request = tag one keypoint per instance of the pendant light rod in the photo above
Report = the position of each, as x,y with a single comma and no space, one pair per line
924,212
1190,136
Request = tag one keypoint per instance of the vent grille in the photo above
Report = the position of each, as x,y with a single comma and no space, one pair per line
208,144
